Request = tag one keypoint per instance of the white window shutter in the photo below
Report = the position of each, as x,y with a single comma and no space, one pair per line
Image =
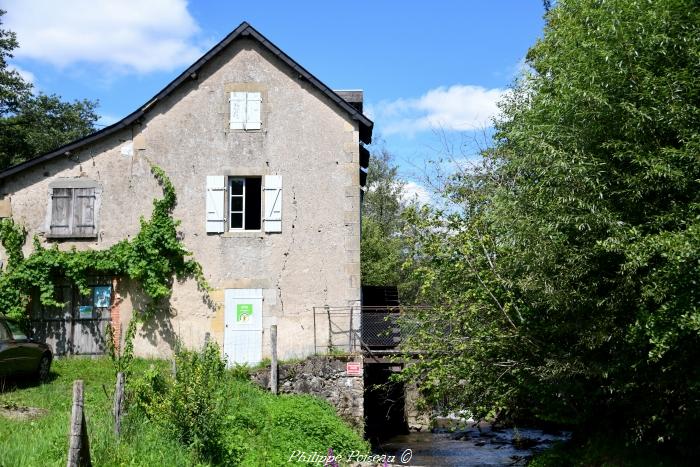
237,101
273,203
216,200
253,100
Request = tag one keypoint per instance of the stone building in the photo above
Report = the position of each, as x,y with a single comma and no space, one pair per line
266,162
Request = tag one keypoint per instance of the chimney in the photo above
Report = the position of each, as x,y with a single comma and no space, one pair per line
352,97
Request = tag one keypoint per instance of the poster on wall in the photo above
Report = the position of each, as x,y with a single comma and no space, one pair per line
103,296
244,313
85,311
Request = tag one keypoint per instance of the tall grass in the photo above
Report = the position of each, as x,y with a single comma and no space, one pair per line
256,428
44,440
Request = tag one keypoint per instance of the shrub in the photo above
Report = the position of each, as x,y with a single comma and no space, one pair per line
190,405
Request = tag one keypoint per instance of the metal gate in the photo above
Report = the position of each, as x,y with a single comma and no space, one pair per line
79,327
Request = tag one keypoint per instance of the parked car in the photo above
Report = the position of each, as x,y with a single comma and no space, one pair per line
20,354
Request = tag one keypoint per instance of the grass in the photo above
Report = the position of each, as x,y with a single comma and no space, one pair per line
263,429
44,441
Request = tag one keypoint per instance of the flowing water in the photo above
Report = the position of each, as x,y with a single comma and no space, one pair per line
470,447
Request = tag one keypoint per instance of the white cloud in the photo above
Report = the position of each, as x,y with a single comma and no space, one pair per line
413,191
126,35
26,75
459,107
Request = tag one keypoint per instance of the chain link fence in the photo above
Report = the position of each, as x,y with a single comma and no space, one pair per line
362,329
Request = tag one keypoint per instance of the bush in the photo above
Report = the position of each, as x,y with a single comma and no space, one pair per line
191,404
223,419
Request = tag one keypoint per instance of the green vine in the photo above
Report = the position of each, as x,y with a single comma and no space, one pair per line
152,258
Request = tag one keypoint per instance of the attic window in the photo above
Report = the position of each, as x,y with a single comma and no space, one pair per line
245,110
73,209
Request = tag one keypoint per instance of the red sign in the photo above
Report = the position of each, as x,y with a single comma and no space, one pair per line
353,368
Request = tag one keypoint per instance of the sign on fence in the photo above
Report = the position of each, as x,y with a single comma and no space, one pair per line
353,369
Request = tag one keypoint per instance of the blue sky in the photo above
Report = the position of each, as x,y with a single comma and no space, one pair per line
423,65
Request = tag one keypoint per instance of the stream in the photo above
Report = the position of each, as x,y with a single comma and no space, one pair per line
471,446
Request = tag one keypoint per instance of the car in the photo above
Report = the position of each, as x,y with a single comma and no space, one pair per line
20,354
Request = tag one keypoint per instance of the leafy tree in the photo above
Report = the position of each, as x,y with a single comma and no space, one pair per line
381,244
566,284
34,124
13,89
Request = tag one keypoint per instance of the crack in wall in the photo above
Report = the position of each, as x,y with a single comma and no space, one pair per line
289,249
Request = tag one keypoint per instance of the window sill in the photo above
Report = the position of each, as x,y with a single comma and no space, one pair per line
70,236
243,234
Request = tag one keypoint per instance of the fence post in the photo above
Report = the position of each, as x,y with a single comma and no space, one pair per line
350,332
79,445
315,349
118,403
273,363
330,329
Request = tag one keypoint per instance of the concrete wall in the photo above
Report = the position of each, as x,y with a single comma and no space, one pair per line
305,138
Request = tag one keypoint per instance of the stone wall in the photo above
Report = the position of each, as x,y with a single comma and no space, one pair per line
323,377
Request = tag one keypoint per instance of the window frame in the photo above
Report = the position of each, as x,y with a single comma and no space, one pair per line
246,101
5,329
16,332
73,189
73,300
229,204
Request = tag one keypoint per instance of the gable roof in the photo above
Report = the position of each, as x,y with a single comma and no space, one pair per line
244,30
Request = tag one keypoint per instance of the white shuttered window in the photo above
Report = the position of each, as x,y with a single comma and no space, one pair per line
273,203
216,201
245,110
244,203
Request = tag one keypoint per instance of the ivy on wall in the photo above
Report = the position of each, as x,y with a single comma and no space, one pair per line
152,258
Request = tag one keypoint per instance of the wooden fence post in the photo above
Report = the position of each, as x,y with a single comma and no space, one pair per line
273,363
79,445
118,403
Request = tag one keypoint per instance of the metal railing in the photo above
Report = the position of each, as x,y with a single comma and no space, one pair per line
354,329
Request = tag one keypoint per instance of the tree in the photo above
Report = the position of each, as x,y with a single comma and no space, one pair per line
34,124
566,282
13,89
381,244
385,232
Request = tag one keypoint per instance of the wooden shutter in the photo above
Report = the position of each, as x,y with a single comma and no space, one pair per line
216,202
84,224
61,211
273,203
253,100
237,102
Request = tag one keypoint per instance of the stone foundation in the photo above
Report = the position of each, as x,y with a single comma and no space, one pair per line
324,377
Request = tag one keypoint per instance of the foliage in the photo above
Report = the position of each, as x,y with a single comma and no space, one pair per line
43,123
12,237
225,420
44,440
151,258
122,358
565,276
35,124
190,405
382,249
13,89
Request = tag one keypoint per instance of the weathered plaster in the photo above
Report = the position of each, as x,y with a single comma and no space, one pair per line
305,138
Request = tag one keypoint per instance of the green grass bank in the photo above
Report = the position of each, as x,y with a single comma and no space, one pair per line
256,428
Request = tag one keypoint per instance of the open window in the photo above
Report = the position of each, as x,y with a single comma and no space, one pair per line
240,203
245,203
